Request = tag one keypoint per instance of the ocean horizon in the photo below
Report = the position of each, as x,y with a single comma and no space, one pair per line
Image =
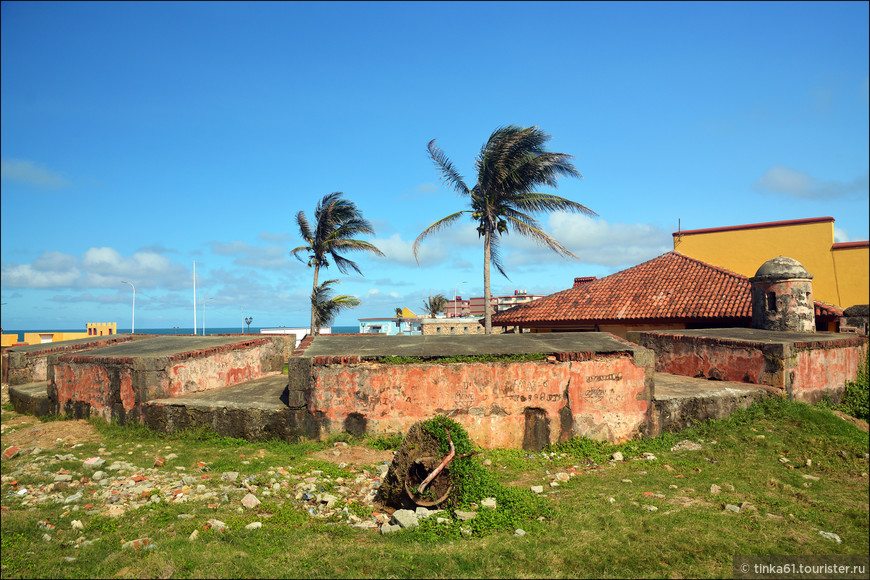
182,331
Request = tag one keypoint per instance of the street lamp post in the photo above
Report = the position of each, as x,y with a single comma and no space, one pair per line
203,313
133,323
454,296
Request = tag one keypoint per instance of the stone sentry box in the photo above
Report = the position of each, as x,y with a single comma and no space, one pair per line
590,384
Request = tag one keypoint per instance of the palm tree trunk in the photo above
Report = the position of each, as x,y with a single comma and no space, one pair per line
487,328
313,329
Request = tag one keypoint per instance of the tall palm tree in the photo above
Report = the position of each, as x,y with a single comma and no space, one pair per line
434,304
325,307
336,222
510,166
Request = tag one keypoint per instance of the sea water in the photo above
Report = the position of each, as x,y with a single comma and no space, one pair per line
180,330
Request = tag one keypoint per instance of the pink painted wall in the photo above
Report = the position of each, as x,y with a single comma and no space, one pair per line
608,398
713,359
221,369
820,370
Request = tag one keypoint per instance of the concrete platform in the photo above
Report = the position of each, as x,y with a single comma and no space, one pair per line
374,346
681,401
256,410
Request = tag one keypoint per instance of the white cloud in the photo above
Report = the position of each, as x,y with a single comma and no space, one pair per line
841,235
27,172
264,257
594,241
102,267
784,180
400,251
29,276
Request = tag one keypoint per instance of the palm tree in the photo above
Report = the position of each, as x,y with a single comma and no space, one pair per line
434,304
336,221
325,307
510,166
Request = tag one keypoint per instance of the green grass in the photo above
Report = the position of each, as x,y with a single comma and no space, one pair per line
596,524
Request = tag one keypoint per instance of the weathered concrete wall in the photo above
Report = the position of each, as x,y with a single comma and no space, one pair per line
30,364
718,359
806,367
500,404
114,387
817,370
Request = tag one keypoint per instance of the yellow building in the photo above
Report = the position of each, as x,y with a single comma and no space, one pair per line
841,271
94,329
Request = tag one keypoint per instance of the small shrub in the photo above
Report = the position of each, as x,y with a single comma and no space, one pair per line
389,442
855,397
472,483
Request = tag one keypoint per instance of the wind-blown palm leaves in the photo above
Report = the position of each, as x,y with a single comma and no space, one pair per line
510,166
434,304
325,308
336,222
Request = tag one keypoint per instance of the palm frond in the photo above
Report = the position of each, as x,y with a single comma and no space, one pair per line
495,256
547,202
326,307
449,174
437,226
540,237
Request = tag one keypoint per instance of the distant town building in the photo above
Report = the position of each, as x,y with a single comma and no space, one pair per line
841,271
474,307
408,324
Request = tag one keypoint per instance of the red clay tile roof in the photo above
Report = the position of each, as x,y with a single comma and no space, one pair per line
671,287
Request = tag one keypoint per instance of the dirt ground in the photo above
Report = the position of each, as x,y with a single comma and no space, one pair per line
26,431
353,455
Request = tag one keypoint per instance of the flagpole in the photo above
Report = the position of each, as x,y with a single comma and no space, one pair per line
194,296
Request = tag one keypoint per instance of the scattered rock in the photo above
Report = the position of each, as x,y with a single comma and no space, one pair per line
686,445
714,489
617,456
537,489
831,536
137,544
732,508
810,477
389,528
11,452
465,516
250,501
405,519
488,502
519,532
650,508
254,526
93,462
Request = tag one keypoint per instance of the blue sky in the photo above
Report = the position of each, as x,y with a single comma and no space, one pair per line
138,138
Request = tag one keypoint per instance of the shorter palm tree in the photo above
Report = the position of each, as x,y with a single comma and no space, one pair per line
325,307
434,304
336,221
